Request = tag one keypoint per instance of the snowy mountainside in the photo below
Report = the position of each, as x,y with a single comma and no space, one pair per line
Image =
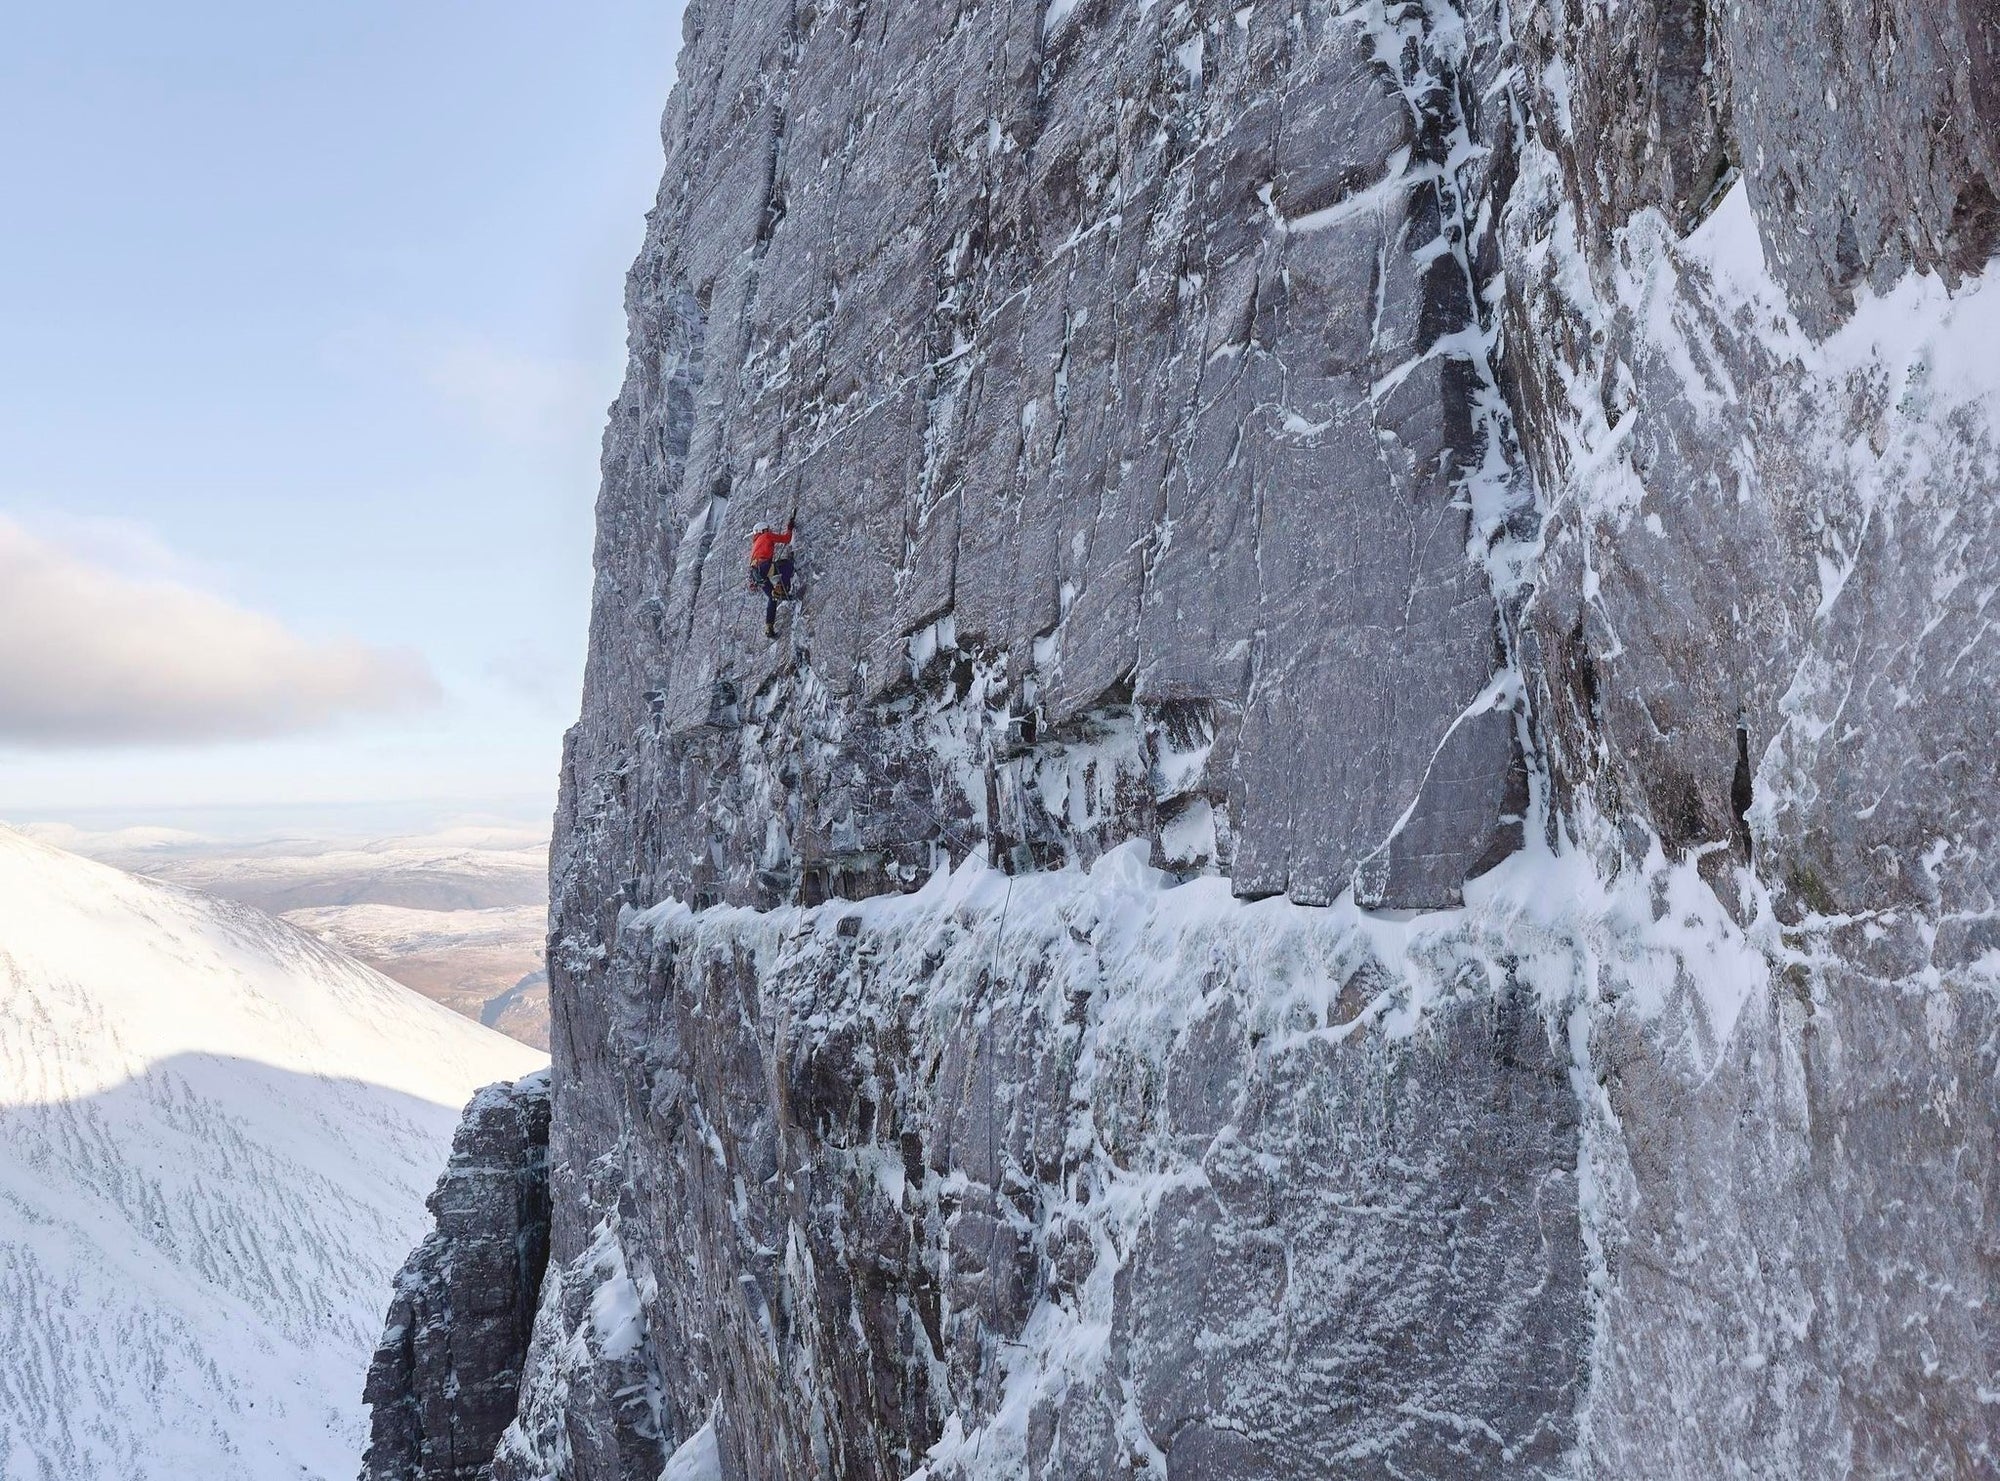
216,1135
485,964
457,913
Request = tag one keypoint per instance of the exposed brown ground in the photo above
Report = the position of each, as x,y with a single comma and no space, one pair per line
485,964
501,987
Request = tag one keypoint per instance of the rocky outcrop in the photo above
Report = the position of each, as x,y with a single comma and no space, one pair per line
444,1381
591,1395
1373,849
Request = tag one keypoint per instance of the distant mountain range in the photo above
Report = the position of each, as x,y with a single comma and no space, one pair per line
458,914
216,1136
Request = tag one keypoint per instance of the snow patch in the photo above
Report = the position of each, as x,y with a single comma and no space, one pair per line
617,1317
928,642
699,1458
1189,838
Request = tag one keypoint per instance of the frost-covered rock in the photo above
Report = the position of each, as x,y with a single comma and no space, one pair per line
1760,643
1106,361
1372,852
590,1390
446,1375
1134,1171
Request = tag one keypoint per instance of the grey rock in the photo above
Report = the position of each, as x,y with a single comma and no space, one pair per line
1339,1245
1415,456
444,1381
1868,136
1753,646
1809,1263
590,1390
1060,373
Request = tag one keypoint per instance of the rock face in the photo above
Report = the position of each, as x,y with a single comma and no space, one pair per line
1372,852
1106,354
443,1383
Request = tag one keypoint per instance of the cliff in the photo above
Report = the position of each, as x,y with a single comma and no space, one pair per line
443,1385
1372,849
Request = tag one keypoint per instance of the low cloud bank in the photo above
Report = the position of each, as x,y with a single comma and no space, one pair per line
89,656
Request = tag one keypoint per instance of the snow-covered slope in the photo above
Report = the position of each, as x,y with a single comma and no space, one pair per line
484,964
216,1134
457,914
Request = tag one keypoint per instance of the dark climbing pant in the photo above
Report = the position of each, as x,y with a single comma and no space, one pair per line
774,579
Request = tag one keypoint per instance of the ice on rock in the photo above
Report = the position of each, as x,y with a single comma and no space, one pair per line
696,1459
1374,852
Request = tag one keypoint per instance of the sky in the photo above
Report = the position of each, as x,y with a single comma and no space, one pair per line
311,315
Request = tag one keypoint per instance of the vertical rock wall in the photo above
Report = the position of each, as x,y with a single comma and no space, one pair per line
1068,1175
1148,359
1768,465
444,1382
1515,481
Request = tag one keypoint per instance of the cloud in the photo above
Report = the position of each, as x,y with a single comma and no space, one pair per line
125,546
90,655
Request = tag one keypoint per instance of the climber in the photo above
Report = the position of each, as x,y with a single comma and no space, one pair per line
771,572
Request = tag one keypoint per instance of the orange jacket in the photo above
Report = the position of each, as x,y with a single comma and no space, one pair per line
763,545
